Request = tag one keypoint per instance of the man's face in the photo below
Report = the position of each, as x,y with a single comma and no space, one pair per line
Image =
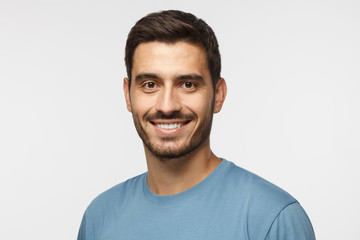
171,97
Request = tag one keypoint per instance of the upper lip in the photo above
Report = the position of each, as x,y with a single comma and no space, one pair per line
169,121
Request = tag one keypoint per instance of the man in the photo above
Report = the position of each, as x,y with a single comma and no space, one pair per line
172,90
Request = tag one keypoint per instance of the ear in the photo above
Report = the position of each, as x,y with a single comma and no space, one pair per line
127,94
220,95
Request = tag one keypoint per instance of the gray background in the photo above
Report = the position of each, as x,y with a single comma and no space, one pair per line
291,115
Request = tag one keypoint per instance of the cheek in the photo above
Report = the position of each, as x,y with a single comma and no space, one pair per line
200,105
141,105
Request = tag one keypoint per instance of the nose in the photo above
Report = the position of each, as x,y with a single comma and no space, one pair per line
168,101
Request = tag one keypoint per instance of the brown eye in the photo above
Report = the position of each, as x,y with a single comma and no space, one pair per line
149,85
188,85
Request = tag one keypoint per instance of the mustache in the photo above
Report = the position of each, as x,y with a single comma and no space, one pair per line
173,115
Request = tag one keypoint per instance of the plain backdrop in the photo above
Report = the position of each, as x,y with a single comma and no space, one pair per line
291,114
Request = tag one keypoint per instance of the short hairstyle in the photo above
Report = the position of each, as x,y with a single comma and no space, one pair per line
172,26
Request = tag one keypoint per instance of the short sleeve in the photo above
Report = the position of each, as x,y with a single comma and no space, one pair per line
86,230
292,223
82,229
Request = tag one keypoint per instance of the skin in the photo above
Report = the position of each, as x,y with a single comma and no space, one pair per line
172,85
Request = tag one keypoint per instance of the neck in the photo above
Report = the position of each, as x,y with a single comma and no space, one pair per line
172,176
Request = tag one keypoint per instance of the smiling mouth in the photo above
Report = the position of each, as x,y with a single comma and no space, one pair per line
169,126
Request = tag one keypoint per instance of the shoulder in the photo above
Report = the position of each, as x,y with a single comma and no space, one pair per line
106,204
257,189
116,195
262,201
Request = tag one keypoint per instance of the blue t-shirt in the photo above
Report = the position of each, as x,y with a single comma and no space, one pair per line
231,203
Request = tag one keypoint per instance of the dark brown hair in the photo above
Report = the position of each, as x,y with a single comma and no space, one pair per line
172,26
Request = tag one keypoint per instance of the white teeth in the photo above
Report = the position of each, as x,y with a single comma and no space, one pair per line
169,126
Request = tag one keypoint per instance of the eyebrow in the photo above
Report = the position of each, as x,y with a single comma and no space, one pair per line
195,77
146,76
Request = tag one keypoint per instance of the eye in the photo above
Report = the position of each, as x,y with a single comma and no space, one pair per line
149,85
188,85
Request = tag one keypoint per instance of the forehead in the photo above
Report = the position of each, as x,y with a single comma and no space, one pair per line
170,58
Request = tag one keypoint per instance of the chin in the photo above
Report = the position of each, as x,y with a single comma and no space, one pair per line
174,152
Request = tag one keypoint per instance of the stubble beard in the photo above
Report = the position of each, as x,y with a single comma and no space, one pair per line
200,136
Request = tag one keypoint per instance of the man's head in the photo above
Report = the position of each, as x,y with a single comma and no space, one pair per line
174,91
170,27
